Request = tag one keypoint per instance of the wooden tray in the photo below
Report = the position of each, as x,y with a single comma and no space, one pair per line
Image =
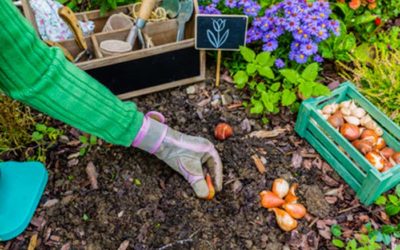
166,65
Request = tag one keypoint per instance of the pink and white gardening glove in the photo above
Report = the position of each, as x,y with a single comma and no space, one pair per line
183,153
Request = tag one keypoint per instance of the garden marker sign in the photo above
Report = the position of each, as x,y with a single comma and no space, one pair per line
220,32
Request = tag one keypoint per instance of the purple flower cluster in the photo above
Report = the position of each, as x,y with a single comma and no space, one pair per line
249,7
306,23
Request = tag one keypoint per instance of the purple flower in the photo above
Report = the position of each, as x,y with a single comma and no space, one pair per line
270,45
279,63
309,48
231,3
300,58
318,59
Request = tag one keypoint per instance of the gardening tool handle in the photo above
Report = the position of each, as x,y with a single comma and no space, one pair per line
69,17
146,8
64,50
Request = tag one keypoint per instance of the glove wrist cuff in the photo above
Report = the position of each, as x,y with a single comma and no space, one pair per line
151,134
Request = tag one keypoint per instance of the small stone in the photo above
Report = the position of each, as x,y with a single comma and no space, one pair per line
263,160
67,199
215,103
226,99
63,139
249,243
120,214
191,90
51,203
73,162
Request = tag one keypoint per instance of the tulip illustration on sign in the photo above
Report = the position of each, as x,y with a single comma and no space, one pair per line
215,37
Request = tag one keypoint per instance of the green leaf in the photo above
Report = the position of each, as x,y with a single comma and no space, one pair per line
240,78
381,200
348,43
386,239
291,75
362,52
82,151
263,58
338,243
275,87
306,89
267,72
267,101
257,107
288,97
37,136
392,209
351,245
397,190
261,87
85,217
251,68
248,54
365,18
93,140
83,139
310,73
41,127
336,230
321,90
363,239
137,182
393,199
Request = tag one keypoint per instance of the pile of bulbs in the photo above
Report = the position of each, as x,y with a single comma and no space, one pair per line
358,127
283,196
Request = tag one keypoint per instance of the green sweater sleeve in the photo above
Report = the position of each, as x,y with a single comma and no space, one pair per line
42,78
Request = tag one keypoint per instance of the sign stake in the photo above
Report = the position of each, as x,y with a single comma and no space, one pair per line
218,73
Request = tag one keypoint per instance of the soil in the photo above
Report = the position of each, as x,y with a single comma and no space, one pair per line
142,204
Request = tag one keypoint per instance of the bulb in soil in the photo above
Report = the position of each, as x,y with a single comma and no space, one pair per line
280,187
270,199
211,189
295,210
284,220
291,196
223,131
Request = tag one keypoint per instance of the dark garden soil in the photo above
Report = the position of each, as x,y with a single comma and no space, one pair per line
143,204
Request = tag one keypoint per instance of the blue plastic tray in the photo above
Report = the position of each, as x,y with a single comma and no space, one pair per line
21,186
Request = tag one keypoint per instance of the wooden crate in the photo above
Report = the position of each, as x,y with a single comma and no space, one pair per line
166,65
349,163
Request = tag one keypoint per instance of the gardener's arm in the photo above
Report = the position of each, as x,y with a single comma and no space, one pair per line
41,77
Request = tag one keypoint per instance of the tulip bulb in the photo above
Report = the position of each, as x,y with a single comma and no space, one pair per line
280,187
365,120
396,157
376,160
370,136
380,143
387,152
330,108
345,104
291,196
284,220
211,189
350,132
270,200
371,125
363,146
379,131
296,210
345,111
358,112
352,120
336,121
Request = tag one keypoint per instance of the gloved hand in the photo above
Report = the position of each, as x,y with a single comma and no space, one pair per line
183,153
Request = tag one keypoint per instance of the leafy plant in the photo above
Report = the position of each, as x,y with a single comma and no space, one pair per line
391,202
338,47
376,72
45,137
270,88
362,242
87,143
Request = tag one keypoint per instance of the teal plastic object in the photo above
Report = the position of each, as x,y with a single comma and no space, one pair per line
21,186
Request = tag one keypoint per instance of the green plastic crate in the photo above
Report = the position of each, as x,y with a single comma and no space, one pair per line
352,166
